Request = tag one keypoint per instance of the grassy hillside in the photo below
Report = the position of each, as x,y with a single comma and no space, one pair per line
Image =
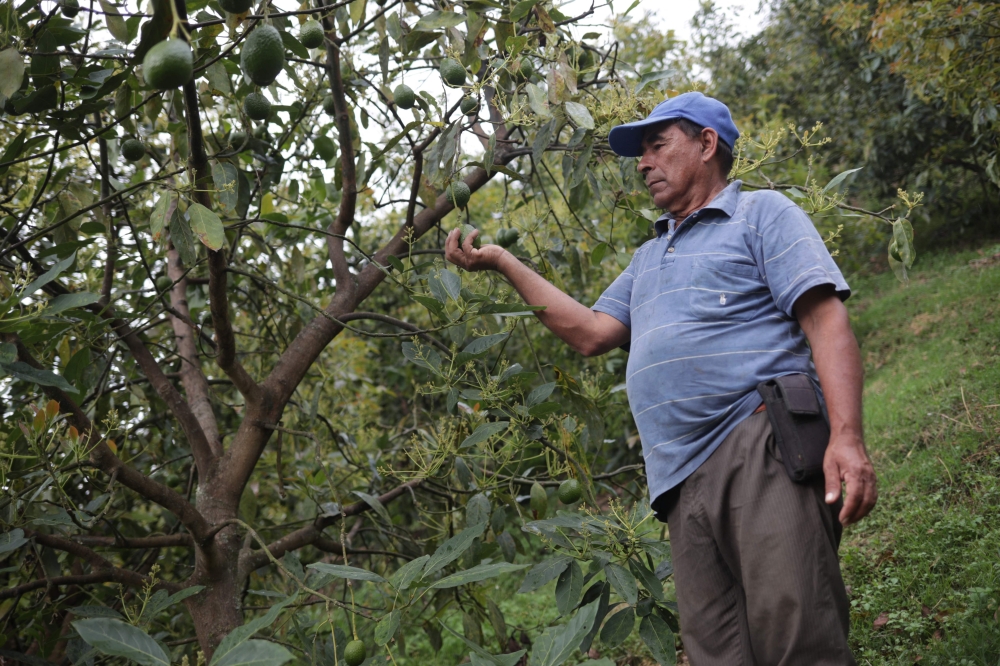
924,568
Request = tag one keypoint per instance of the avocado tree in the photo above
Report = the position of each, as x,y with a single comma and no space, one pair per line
243,394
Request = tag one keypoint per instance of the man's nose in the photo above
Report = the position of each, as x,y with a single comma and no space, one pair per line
644,166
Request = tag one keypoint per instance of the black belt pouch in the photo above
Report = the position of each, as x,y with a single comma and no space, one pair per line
800,427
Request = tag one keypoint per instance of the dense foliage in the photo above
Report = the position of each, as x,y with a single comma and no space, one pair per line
908,90
243,394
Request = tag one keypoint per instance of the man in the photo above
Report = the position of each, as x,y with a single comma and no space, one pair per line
726,296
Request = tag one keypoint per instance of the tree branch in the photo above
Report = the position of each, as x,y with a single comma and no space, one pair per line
226,340
311,533
349,193
195,383
104,458
164,388
181,540
219,299
375,316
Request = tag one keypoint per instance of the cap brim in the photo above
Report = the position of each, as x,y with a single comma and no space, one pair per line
626,140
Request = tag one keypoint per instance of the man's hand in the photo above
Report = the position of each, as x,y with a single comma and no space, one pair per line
846,462
824,320
486,258
588,332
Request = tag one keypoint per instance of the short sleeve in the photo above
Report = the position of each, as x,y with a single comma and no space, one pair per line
793,258
616,299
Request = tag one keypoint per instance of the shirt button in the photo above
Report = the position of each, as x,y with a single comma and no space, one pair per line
670,249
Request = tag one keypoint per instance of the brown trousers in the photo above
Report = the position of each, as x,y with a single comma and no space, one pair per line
755,560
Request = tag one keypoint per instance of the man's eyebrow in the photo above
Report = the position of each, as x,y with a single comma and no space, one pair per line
658,136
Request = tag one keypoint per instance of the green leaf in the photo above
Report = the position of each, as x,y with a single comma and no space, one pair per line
96,611
240,635
839,178
539,394
160,217
207,226
375,504
29,659
477,510
115,22
386,628
622,581
185,593
521,9
652,77
579,114
429,303
25,372
11,74
568,588
479,345
12,540
13,149
396,263
478,573
438,20
49,275
452,283
183,239
408,573
225,176
648,578
218,78
544,409
453,548
498,622
902,234
43,99
343,571
601,592
255,653
8,353
68,301
543,572
119,639
485,657
423,356
538,101
597,254
659,639
555,646
618,627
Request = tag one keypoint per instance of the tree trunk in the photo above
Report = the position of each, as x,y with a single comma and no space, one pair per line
216,610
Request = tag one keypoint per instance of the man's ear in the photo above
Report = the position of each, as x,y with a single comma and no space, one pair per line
709,143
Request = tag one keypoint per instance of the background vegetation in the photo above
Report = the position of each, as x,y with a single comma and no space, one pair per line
250,415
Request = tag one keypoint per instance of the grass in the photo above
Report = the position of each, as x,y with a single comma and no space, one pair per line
924,568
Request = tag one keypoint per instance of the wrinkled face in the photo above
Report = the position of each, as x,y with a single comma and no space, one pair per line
671,161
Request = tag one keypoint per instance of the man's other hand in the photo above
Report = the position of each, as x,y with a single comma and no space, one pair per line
846,462
465,256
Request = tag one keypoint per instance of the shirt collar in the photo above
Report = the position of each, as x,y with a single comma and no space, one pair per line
725,201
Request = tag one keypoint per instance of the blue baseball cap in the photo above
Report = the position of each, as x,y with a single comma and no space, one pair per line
626,140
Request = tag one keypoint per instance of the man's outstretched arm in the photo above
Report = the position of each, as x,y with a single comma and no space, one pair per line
588,332
824,320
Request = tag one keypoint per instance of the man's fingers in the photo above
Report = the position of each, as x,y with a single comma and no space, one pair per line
831,472
853,501
467,245
871,497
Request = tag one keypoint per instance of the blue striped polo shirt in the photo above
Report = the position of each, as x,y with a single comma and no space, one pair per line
710,308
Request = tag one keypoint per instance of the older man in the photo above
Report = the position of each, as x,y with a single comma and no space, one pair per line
737,288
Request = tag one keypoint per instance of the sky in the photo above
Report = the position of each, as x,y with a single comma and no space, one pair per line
677,14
